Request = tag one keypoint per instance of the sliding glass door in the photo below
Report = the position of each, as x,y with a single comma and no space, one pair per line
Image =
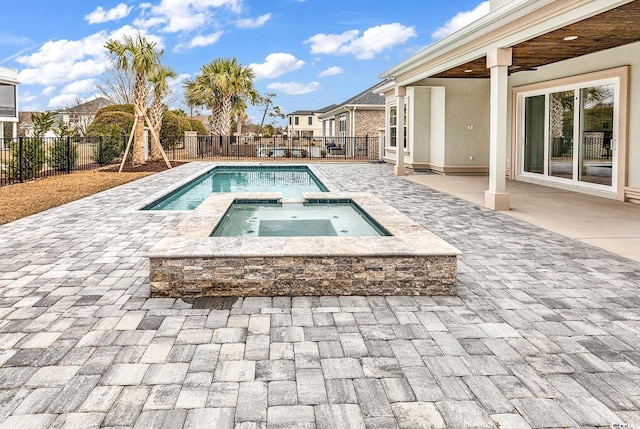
568,134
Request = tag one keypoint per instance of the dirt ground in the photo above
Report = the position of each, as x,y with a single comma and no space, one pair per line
24,199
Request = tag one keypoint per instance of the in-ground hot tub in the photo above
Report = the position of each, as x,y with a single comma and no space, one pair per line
401,258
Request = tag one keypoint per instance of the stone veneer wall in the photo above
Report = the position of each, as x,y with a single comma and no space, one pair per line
303,275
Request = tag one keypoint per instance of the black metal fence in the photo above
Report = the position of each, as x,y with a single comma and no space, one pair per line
266,148
27,158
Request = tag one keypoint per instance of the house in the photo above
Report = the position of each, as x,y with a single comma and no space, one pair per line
8,103
359,116
539,91
26,127
304,123
81,115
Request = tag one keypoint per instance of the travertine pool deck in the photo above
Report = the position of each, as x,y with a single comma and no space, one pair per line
544,331
189,263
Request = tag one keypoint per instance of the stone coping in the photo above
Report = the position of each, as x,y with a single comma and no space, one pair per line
208,166
191,238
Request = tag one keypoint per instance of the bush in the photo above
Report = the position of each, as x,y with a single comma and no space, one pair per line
32,159
103,123
287,153
127,108
303,153
63,155
198,126
323,153
110,149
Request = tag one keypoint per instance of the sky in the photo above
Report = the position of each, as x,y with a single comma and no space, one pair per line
310,53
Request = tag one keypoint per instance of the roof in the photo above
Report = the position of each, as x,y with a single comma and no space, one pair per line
90,106
534,29
368,97
302,112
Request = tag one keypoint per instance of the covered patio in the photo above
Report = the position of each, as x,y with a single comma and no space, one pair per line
469,99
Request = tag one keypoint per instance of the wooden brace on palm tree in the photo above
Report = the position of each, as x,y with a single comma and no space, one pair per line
155,138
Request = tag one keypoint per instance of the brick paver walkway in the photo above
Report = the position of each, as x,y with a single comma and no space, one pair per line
544,331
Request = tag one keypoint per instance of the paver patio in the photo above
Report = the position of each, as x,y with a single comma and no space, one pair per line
544,331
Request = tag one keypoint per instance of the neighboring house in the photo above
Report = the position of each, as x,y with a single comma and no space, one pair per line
26,128
80,116
8,103
359,116
304,123
546,91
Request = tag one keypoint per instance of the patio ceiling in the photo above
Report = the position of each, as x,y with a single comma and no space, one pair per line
616,27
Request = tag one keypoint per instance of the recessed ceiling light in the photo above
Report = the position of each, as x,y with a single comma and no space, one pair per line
468,71
568,38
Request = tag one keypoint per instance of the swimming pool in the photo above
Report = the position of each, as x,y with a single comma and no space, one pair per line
319,218
291,181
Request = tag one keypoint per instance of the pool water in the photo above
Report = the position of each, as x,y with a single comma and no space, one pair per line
291,181
289,219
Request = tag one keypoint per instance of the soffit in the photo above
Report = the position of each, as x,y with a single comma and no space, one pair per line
616,27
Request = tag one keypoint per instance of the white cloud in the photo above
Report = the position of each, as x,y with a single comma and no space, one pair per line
199,41
462,19
48,90
254,23
61,61
184,15
79,86
100,15
275,65
63,100
331,71
25,97
372,41
294,88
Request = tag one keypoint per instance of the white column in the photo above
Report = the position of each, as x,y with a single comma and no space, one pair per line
496,198
15,130
1,135
400,169
324,128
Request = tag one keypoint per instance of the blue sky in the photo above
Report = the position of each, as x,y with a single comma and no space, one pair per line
311,53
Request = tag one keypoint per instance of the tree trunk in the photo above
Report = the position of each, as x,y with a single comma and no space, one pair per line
155,117
225,116
216,123
140,91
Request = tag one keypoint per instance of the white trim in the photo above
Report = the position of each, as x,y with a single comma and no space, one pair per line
574,183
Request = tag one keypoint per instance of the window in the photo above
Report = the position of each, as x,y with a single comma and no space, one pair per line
289,120
570,132
310,120
7,100
393,125
296,120
342,127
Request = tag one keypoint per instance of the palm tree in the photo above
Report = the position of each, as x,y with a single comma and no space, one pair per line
158,79
142,57
218,86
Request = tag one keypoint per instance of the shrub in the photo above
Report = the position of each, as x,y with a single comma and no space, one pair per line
303,153
103,123
32,159
269,153
109,149
198,126
63,155
287,153
127,108
323,153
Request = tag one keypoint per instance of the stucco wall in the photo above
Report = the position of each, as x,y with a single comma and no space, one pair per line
617,57
466,105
